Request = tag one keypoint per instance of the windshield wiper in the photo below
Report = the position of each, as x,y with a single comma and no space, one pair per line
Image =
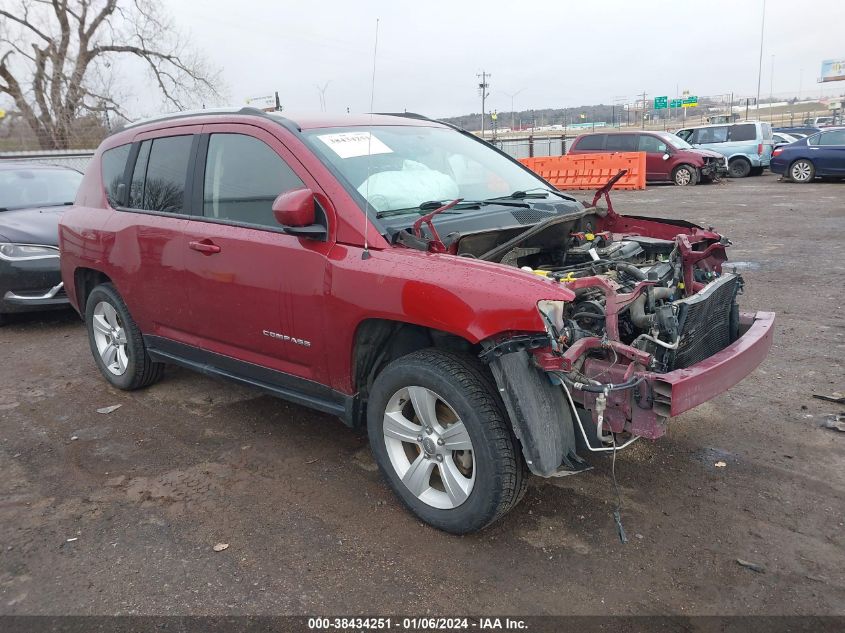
431,205
424,207
536,192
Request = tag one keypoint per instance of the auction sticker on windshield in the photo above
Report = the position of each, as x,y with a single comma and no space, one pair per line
354,144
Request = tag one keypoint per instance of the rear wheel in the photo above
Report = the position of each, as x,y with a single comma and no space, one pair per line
116,341
685,175
802,171
739,168
439,434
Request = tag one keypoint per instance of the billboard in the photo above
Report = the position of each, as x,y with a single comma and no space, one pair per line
833,70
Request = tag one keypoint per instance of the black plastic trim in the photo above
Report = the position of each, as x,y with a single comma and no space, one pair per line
286,386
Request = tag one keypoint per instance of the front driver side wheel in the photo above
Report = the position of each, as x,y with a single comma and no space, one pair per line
116,342
439,435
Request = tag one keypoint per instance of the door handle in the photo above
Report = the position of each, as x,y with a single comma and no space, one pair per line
206,247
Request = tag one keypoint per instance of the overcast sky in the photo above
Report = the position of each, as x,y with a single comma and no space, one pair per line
558,53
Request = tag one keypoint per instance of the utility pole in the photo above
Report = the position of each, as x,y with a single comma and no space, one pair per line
644,107
760,62
482,90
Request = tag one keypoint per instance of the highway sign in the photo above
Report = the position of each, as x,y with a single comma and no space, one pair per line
661,103
690,102
676,103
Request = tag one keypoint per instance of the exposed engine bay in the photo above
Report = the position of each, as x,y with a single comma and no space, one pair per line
662,267
649,299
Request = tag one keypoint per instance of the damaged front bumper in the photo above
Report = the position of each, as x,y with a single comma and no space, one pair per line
547,424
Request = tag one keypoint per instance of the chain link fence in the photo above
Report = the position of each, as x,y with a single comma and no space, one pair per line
75,159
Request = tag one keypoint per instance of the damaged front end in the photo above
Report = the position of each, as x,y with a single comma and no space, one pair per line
652,329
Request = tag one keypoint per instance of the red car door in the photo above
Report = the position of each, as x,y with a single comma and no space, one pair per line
147,257
256,293
656,167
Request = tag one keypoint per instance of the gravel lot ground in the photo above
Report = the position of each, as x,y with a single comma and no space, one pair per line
148,489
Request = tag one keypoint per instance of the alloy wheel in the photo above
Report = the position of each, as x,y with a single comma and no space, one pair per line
429,447
801,171
110,338
683,177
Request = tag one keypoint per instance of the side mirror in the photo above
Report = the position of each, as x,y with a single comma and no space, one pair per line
666,156
296,211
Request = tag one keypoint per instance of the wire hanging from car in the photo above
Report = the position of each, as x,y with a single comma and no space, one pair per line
617,513
366,253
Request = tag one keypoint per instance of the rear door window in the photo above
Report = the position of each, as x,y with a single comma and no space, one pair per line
834,137
591,142
621,143
686,135
113,168
243,176
743,132
159,177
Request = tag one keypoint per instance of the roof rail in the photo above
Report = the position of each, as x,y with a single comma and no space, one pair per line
173,116
422,117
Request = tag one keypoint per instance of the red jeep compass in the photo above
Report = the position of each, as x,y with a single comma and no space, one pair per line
400,273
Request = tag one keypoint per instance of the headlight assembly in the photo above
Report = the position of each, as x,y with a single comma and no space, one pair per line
23,252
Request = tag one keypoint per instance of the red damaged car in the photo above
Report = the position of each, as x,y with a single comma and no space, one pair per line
668,157
404,275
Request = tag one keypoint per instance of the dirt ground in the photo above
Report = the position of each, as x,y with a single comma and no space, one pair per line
117,513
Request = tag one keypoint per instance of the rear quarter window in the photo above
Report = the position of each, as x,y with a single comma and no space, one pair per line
744,132
591,142
113,164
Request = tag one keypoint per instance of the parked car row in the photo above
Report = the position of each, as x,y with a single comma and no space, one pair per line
698,154
304,257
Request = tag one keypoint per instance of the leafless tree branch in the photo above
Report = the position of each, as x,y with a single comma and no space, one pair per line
59,58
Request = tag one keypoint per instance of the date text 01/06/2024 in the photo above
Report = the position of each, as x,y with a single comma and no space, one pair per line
415,624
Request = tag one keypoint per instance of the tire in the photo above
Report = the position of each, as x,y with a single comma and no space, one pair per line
116,342
460,407
739,168
802,171
685,176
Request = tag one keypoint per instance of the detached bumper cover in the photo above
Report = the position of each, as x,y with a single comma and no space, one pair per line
683,389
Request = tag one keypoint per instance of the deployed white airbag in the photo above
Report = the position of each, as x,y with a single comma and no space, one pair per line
414,184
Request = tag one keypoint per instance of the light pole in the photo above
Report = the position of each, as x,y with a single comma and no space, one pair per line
760,62
482,90
513,115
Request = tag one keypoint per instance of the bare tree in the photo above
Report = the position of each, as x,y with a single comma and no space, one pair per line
58,57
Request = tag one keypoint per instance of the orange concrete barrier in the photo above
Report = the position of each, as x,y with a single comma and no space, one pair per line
589,171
